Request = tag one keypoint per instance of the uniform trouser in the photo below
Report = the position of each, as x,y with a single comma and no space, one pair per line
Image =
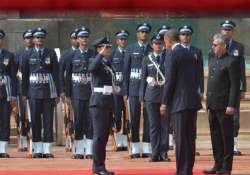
101,120
171,124
82,119
5,111
41,111
119,113
185,141
158,127
236,122
22,116
135,111
221,129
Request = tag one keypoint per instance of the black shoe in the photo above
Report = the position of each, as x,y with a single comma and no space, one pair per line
4,155
134,156
88,157
223,172
237,153
124,148
119,149
211,171
171,147
197,153
24,149
104,172
164,158
145,155
154,159
37,155
48,156
78,156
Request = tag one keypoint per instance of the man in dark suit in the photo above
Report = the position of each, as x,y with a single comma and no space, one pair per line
182,100
132,78
236,50
119,110
223,91
185,40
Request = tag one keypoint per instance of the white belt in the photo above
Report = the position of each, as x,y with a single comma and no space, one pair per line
39,78
81,78
105,90
152,82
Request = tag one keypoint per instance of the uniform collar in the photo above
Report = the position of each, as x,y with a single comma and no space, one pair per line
37,49
186,46
155,54
173,46
83,51
73,48
121,49
140,44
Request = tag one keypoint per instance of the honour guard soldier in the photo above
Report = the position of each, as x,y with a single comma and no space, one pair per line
119,110
151,90
40,87
223,90
132,78
78,89
236,50
185,33
28,44
66,54
67,108
161,31
7,93
101,103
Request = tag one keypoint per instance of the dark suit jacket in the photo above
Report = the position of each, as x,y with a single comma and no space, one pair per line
180,90
223,85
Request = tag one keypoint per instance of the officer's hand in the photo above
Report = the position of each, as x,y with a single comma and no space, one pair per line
230,110
102,52
57,100
13,103
68,101
125,98
202,96
242,95
142,104
25,98
62,95
163,110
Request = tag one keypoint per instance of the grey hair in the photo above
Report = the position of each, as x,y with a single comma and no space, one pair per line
220,38
172,34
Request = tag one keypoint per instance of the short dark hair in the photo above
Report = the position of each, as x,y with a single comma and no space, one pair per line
173,34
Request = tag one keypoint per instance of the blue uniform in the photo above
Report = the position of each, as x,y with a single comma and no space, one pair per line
132,79
101,107
151,93
78,88
41,85
8,91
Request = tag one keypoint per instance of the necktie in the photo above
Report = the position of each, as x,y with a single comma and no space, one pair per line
158,59
143,48
40,53
123,53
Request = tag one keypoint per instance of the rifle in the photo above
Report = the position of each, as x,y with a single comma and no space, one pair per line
19,124
128,125
30,143
69,128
